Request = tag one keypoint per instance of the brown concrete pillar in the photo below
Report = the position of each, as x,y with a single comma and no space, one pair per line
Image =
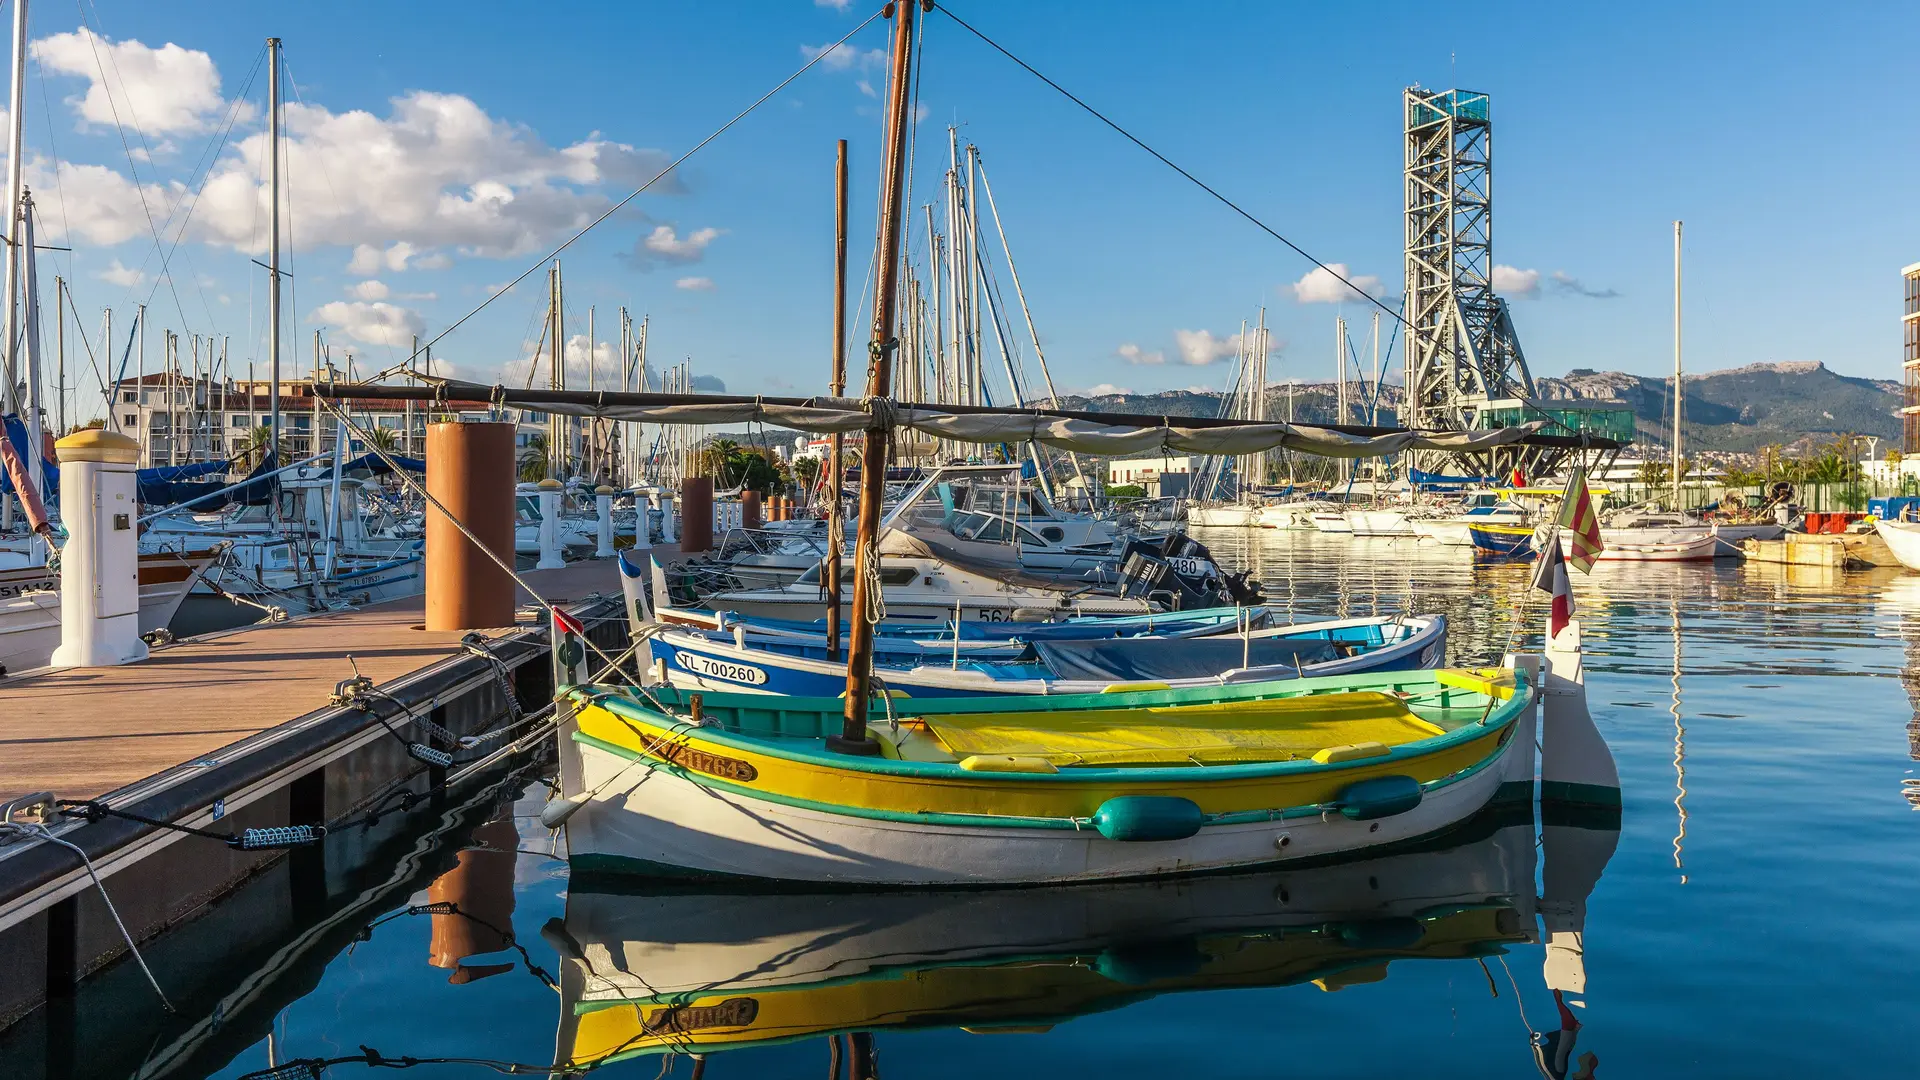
749,509
780,508
696,514
470,471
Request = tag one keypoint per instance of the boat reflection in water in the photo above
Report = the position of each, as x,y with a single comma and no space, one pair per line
686,972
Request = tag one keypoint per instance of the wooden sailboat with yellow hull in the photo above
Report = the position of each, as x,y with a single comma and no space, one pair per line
1134,784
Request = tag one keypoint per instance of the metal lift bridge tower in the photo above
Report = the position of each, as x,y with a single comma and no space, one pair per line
1462,352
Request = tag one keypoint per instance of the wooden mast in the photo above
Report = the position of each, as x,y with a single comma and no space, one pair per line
873,464
836,514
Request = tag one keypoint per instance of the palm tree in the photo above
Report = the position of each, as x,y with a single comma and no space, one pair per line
386,440
723,458
251,448
533,459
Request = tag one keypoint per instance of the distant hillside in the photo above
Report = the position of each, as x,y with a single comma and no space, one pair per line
1747,407
1734,410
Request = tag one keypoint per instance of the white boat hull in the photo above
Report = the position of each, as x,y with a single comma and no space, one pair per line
30,620
1703,547
1224,517
656,821
1903,539
1331,523
1379,523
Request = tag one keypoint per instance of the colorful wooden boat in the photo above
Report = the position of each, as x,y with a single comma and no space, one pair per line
745,661
1507,541
1074,788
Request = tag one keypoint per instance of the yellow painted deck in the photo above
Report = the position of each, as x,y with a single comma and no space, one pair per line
82,732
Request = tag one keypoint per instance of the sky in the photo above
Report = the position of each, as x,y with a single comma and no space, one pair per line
437,160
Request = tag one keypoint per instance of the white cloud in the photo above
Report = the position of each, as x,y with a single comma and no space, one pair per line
1321,286
1104,389
436,173
844,57
1199,348
376,323
837,5
695,284
665,244
605,366
1516,284
1134,354
123,276
866,88
168,90
368,290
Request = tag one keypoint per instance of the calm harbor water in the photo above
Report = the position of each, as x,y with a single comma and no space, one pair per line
1756,919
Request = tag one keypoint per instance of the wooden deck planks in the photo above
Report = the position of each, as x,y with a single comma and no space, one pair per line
81,732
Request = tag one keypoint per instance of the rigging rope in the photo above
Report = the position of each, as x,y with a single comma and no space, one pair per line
1164,160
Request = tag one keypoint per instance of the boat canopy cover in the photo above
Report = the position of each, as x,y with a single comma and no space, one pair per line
1238,731
826,415
16,430
1148,659
372,463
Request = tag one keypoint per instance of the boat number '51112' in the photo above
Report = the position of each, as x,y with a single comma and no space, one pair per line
720,669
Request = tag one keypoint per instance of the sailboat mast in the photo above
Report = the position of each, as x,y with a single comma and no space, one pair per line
273,252
837,384
873,466
553,367
1677,396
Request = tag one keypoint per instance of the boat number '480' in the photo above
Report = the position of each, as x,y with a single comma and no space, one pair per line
720,669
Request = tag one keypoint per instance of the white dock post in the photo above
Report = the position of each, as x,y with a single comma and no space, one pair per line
642,526
100,564
603,504
669,528
550,557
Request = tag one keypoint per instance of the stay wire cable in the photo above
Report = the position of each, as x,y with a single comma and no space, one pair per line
1165,160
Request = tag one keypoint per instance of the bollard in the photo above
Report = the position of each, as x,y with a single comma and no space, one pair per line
642,527
669,526
603,502
749,509
100,564
473,477
696,514
550,556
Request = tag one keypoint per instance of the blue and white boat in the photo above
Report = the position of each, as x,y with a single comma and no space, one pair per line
742,661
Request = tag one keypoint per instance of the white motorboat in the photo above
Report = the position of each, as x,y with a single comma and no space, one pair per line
30,603
1229,516
1331,521
1903,539
920,586
1651,545
1380,522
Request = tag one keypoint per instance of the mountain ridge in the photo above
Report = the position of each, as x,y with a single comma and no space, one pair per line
1731,410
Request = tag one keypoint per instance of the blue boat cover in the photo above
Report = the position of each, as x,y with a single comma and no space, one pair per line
1146,659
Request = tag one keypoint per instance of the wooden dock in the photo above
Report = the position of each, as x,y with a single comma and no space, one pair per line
1832,551
241,730
83,732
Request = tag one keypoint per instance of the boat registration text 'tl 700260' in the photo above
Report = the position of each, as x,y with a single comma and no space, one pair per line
720,669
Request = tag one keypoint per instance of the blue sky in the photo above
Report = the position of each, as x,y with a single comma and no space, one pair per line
1784,140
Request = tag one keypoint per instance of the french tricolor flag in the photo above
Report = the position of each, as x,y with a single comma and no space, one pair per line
1550,576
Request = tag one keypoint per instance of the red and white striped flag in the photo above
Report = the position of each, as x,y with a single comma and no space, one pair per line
1550,576
1581,523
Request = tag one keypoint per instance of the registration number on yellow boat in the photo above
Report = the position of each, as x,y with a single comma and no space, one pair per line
720,669
687,757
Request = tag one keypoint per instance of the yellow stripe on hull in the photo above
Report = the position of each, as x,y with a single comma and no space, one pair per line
1065,795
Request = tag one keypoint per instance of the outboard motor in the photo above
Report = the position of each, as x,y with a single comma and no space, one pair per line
1179,572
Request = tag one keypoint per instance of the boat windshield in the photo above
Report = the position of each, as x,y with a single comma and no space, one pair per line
889,575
